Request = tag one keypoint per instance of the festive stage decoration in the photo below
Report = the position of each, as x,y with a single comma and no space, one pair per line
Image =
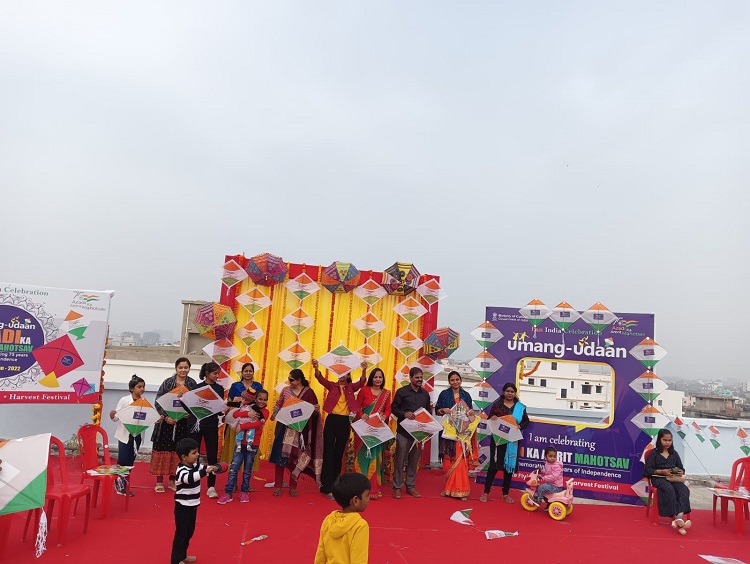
289,313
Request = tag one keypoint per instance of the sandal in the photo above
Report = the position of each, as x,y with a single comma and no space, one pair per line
159,488
443,494
483,498
293,493
464,498
172,486
508,499
277,492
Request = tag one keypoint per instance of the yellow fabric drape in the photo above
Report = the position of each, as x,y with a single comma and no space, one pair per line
333,315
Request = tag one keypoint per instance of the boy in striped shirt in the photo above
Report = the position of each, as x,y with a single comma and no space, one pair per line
187,498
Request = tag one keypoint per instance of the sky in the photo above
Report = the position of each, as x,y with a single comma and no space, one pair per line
577,151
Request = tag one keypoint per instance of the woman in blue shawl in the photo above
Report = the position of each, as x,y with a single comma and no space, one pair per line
505,456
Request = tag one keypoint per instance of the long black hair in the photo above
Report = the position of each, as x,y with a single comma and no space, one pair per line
659,435
207,368
297,374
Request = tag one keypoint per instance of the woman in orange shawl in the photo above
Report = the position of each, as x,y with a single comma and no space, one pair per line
458,455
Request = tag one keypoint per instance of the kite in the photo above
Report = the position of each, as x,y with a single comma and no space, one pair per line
410,309
340,361
506,430
486,335
400,278
267,269
254,300
369,325
203,402
369,355
486,428
496,534
23,479
649,420
485,365
370,292
598,317
221,351
56,359
302,286
407,343
298,321
254,539
564,315
483,395
215,321
431,291
233,274
430,368
340,277
457,425
423,426
648,385
138,416
249,333
295,413
441,343
535,313
373,431
171,403
462,517
295,355
82,387
649,352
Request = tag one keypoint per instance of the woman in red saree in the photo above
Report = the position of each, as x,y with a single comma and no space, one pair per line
372,399
458,455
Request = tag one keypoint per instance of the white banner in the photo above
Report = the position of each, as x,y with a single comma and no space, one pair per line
51,343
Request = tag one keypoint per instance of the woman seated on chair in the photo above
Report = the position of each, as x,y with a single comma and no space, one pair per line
667,474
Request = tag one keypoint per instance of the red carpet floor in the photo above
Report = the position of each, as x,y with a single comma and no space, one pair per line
401,531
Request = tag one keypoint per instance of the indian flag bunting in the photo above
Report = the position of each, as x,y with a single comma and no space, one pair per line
714,436
742,435
680,424
698,431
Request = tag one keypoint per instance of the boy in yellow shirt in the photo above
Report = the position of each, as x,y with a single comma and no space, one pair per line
345,535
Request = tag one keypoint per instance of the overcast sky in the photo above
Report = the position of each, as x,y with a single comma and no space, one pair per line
578,151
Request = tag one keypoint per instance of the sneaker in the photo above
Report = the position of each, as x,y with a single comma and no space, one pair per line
123,493
225,498
244,497
414,493
211,492
397,493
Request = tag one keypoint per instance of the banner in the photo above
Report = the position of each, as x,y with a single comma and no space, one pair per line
584,395
51,343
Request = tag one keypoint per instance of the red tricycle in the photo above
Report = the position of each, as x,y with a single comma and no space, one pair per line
559,505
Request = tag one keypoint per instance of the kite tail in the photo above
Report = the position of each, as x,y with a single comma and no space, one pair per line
41,536
301,441
195,428
174,432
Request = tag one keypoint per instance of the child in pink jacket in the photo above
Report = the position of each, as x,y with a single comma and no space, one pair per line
551,476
